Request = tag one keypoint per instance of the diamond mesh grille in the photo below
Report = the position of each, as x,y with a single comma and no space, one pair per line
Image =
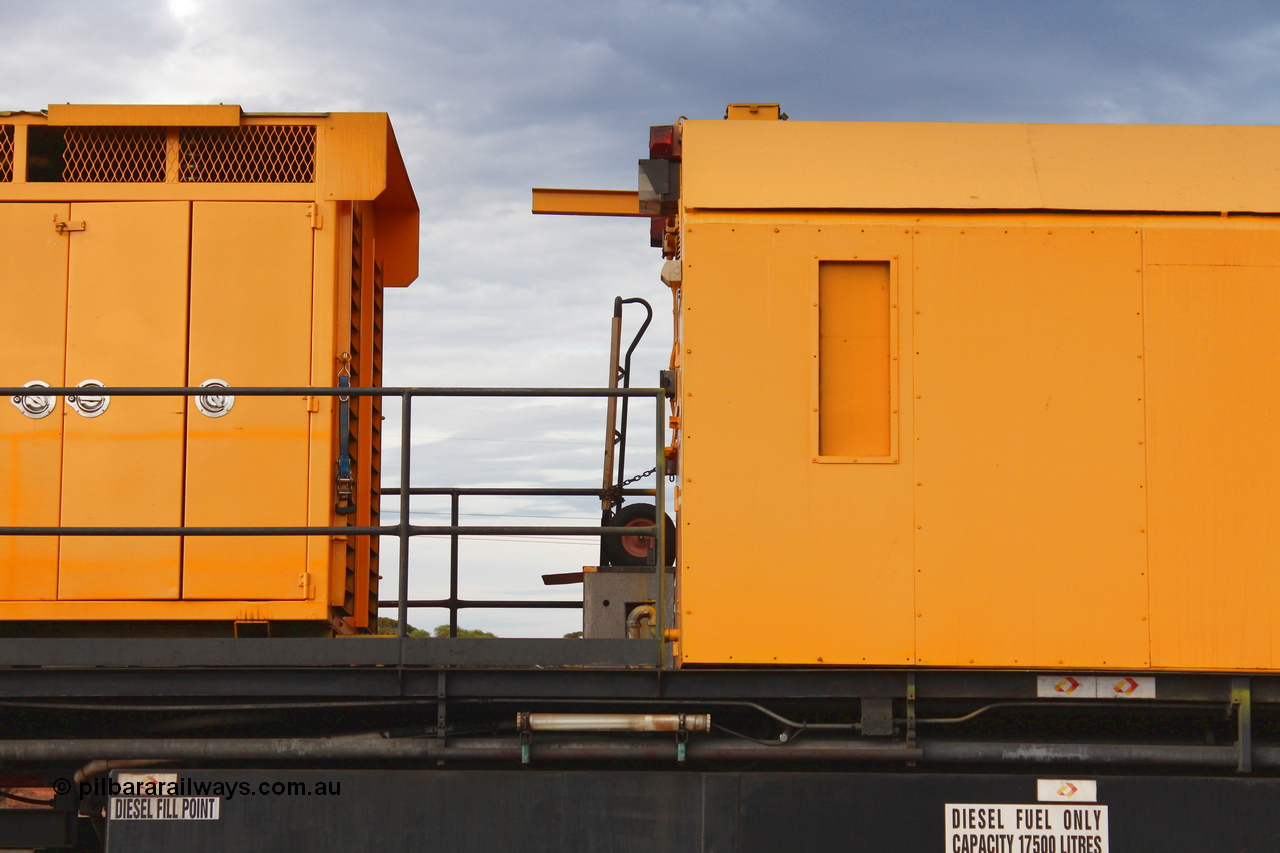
6,152
252,154
114,155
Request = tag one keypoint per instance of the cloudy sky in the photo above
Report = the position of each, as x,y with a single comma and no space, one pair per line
492,97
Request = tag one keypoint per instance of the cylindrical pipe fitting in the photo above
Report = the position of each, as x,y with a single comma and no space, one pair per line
613,722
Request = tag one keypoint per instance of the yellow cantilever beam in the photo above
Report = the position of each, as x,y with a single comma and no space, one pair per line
587,202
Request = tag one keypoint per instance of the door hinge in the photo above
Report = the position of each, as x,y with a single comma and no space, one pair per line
62,226
313,210
313,404
304,581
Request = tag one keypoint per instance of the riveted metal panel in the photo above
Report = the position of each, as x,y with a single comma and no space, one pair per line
824,549
126,326
1213,376
250,325
1029,475
33,287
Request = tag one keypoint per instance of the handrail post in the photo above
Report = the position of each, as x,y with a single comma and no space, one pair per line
660,521
453,566
402,604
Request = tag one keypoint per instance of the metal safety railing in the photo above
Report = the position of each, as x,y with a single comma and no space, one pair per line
403,529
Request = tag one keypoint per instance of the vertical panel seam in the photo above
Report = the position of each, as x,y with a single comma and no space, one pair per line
1146,446
311,417
186,405
908,305
62,403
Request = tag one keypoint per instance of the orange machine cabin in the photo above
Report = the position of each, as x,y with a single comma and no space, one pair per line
165,246
978,395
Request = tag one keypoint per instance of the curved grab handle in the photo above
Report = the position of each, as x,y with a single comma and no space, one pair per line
35,406
89,405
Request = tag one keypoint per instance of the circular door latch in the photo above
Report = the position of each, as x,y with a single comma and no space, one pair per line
214,405
34,405
89,405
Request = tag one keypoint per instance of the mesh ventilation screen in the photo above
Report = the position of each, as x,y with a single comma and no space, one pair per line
114,155
253,154
6,152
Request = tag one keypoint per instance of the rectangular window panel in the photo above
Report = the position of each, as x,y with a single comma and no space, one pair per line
854,415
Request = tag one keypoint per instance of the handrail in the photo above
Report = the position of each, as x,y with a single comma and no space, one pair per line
402,529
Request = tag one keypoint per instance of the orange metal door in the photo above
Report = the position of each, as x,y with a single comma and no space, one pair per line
1030,479
126,326
247,464
33,290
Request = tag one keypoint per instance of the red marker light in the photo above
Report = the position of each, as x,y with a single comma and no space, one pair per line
657,227
664,142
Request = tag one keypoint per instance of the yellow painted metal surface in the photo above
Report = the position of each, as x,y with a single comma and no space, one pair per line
899,166
1083,371
1213,380
329,339
753,112
117,610
1028,449
1009,530
144,115
1087,433
587,202
819,568
250,325
126,326
33,287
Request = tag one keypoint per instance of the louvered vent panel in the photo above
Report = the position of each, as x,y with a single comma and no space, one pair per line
114,155
6,152
253,154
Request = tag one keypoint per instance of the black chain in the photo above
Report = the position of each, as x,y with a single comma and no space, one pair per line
636,478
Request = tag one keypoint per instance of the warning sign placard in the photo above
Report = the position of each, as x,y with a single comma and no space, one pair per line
1039,828
165,808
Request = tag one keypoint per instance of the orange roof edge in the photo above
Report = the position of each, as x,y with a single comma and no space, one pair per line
145,115
398,220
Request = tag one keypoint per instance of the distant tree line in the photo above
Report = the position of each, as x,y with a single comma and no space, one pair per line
392,626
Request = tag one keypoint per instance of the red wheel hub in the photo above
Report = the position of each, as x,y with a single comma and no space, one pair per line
638,546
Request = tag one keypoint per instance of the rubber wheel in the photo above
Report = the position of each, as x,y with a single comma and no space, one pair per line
634,550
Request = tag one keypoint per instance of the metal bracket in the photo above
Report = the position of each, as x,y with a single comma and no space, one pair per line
682,740
1242,703
877,717
442,709
442,695
667,382
911,714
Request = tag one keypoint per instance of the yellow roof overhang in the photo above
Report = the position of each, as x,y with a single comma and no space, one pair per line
361,161
144,115
936,166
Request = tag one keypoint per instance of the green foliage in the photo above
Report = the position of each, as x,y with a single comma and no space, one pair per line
575,635
390,626
443,631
